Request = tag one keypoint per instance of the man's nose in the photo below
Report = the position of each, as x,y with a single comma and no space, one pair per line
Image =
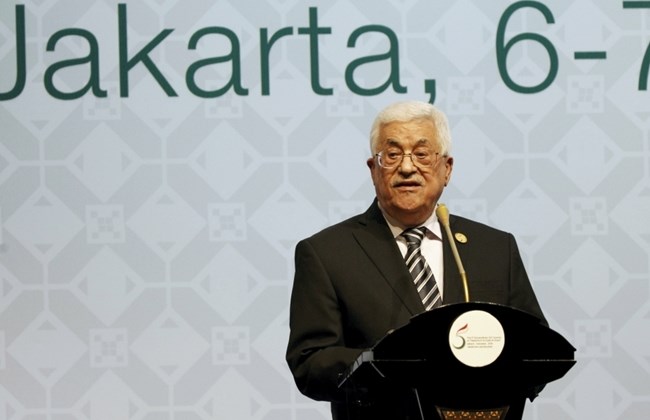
407,165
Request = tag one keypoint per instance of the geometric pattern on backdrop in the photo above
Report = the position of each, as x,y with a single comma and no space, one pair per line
146,242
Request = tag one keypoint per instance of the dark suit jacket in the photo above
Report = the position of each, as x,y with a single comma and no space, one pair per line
351,287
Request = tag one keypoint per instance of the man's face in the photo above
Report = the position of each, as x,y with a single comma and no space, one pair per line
408,192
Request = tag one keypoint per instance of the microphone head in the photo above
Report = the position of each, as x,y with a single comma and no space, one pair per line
443,214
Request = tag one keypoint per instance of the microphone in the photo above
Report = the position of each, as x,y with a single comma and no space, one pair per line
443,217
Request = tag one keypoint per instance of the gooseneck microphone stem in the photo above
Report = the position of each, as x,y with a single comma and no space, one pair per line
443,217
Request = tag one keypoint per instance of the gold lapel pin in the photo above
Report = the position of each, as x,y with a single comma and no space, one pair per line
460,237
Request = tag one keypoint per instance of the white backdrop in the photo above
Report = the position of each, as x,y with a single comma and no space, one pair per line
150,201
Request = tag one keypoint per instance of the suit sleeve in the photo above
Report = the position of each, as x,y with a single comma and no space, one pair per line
522,295
316,353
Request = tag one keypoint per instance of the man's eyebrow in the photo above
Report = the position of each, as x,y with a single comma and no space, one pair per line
394,142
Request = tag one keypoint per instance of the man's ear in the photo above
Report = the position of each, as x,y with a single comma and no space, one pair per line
372,165
449,166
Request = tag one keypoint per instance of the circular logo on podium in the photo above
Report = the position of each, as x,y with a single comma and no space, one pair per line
476,338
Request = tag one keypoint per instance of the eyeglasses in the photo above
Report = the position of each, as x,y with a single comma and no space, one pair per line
389,159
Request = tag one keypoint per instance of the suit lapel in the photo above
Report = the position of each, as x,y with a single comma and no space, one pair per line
378,243
376,239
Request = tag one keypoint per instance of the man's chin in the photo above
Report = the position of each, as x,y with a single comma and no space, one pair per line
410,213
409,203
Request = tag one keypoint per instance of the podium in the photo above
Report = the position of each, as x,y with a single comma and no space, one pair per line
469,360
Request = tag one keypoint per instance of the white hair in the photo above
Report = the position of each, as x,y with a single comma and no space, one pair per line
408,111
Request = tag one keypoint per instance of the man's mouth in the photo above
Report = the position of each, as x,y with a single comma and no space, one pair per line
406,184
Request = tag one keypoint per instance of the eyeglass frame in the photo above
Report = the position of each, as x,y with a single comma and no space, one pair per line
415,161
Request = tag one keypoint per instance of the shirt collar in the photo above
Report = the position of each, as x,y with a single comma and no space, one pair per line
432,224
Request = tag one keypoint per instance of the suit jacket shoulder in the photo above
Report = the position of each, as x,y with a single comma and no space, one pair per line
493,265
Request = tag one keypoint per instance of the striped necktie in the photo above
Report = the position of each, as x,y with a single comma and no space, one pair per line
422,275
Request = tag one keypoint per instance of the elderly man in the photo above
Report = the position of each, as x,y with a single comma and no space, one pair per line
353,280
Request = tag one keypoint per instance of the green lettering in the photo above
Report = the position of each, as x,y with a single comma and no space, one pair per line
92,58
142,56
313,31
234,56
21,67
265,51
392,54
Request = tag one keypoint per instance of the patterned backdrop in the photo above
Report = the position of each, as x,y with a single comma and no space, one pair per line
159,160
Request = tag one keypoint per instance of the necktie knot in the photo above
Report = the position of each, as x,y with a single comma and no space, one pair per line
414,236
